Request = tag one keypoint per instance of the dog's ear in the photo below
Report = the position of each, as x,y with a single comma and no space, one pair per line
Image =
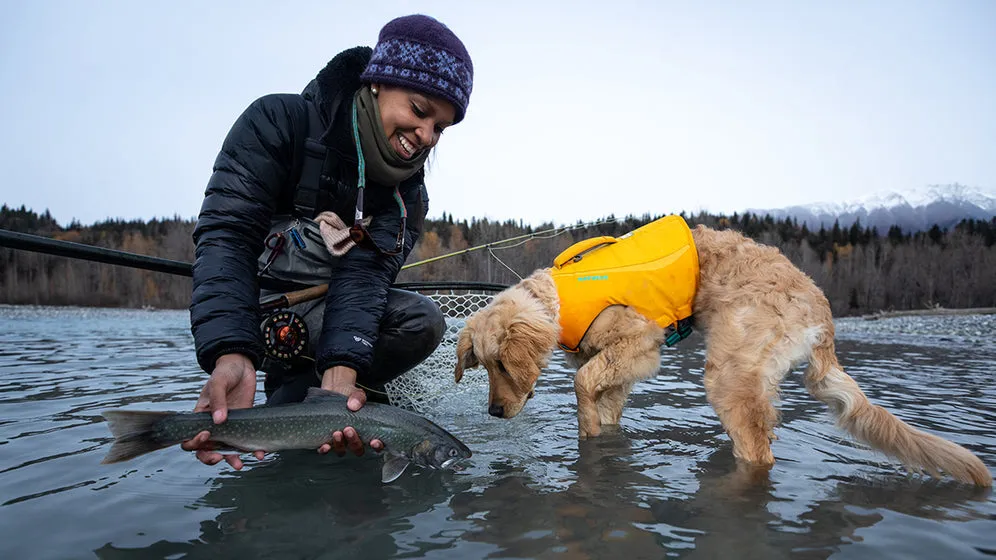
465,358
530,338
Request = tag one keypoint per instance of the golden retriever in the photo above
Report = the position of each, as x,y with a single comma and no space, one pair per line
760,316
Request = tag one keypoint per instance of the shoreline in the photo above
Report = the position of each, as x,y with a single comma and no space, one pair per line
932,311
866,316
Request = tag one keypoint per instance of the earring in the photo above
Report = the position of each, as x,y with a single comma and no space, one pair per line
373,90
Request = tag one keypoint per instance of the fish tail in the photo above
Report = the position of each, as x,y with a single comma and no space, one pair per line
134,434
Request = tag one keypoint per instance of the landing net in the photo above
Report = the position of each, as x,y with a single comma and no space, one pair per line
432,380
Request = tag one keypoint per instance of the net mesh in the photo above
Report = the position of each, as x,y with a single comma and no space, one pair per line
432,380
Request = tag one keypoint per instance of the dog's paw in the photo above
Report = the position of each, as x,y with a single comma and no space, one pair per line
590,432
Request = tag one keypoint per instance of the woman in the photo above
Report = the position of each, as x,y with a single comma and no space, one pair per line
365,125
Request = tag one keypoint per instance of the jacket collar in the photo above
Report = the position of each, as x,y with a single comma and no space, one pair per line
340,77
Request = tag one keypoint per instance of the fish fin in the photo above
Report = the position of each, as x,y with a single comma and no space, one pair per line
319,394
133,434
394,465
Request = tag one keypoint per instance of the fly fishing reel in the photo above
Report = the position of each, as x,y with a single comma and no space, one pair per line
285,335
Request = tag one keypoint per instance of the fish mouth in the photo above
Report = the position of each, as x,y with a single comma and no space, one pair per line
453,464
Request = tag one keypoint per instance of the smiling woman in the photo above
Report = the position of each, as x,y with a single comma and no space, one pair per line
292,173
414,122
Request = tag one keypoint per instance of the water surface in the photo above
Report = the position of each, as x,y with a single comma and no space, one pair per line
663,485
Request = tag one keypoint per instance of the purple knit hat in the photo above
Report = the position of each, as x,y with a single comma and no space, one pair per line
420,53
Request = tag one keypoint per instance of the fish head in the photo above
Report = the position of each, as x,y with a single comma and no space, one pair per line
440,453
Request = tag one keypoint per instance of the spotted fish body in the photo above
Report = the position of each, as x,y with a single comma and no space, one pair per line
407,437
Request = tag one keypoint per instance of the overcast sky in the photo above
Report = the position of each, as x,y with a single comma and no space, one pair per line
579,109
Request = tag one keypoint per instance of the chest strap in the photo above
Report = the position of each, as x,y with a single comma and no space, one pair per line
315,161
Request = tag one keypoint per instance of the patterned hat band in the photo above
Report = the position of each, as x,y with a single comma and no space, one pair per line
424,68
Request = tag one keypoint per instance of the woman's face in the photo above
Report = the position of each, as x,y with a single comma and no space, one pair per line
412,121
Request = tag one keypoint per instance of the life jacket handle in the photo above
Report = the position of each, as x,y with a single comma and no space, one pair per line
574,252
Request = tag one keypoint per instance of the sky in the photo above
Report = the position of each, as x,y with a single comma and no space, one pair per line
579,109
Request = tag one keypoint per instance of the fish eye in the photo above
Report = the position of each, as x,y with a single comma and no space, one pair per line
453,452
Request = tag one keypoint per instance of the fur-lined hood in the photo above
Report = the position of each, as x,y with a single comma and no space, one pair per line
340,77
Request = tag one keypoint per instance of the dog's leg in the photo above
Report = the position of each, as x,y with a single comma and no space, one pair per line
611,403
588,388
603,383
743,402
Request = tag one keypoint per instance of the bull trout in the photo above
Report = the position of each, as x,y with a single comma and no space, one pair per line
407,437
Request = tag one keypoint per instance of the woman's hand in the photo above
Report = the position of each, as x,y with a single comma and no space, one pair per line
342,380
232,385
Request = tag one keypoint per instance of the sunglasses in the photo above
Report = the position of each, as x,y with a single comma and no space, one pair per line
358,232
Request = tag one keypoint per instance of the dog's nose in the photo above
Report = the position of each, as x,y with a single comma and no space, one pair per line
496,410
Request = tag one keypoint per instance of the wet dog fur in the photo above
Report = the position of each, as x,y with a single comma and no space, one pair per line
760,316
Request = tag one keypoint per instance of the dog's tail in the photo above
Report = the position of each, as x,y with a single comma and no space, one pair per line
877,427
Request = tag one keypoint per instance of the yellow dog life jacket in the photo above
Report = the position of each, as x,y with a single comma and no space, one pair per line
654,269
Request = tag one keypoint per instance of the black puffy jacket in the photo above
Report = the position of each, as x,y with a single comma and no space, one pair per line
254,178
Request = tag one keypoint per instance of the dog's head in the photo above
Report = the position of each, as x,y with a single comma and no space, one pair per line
512,338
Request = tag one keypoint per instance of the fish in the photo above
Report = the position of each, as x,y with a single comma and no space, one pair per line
408,437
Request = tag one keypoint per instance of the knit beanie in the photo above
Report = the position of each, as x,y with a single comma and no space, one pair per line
420,53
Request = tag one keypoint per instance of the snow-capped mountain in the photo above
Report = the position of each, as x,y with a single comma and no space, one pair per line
913,210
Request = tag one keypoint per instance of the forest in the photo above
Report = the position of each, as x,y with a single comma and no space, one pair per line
861,270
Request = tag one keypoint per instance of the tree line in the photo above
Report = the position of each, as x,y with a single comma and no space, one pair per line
860,269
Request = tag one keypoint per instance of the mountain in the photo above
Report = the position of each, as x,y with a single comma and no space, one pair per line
913,210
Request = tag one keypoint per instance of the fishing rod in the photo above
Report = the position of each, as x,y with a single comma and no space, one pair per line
294,293
285,334
38,244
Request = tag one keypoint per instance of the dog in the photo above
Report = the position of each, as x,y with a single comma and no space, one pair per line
760,316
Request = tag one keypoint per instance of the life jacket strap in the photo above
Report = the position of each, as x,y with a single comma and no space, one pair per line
678,332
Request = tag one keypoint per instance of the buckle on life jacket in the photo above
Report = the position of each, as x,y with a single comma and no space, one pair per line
676,334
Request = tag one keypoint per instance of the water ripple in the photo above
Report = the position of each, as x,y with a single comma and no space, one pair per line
663,483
